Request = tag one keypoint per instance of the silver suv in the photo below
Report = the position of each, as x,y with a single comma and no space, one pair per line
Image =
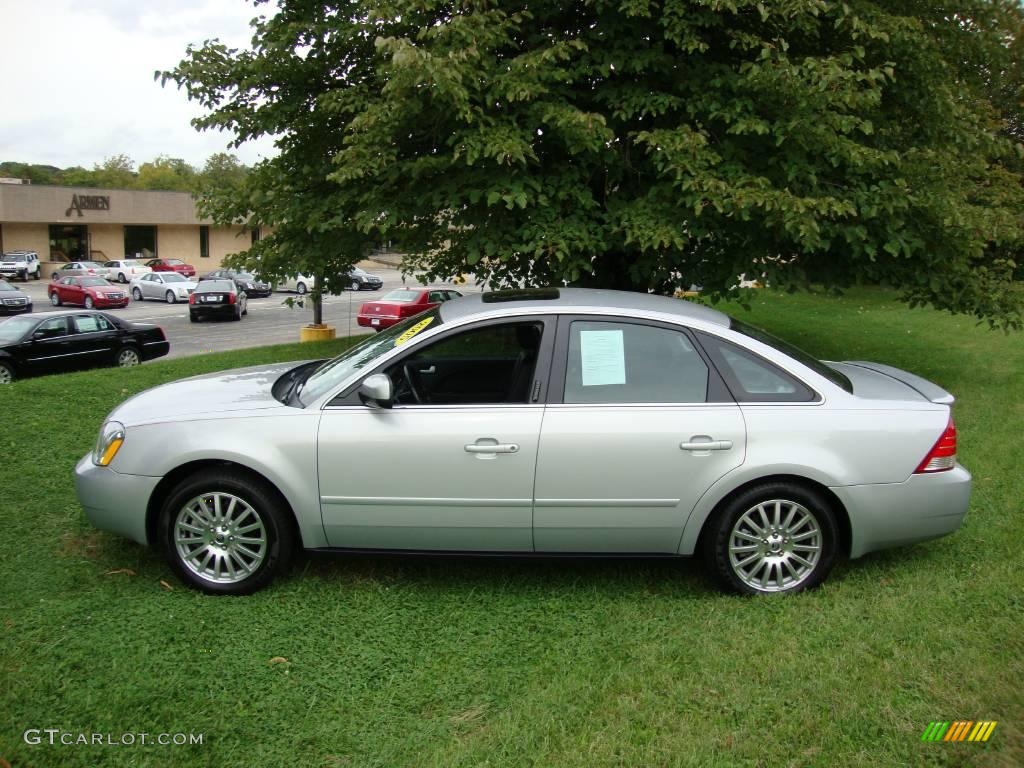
23,264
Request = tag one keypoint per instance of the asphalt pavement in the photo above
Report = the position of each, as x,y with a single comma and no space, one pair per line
269,321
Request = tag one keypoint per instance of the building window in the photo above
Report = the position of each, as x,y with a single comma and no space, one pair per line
204,241
140,242
255,235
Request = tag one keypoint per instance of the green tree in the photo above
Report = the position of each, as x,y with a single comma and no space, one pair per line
117,172
642,145
166,173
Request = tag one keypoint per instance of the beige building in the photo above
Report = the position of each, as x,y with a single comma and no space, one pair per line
71,223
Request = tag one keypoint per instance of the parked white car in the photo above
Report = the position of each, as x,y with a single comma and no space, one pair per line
301,284
123,270
167,286
20,264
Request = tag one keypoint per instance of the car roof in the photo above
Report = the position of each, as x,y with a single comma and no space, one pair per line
581,299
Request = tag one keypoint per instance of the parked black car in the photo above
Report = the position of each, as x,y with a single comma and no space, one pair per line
62,341
217,298
13,301
361,280
253,287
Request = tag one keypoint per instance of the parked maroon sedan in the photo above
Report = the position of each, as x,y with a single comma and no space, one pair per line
88,292
400,304
171,265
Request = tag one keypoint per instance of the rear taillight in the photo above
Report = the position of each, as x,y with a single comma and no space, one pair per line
191,298
942,456
231,298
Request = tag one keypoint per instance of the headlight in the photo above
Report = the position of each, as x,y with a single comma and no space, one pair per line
108,443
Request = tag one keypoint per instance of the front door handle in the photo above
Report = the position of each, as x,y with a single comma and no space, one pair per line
431,369
491,447
707,445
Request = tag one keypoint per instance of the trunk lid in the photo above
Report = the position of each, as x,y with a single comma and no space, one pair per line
876,381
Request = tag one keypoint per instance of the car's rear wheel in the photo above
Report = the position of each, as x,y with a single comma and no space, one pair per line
55,299
775,537
137,294
170,298
225,532
6,373
128,357
121,278
89,303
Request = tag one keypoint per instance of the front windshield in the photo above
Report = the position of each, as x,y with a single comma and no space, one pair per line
5,286
363,355
12,330
86,282
174,277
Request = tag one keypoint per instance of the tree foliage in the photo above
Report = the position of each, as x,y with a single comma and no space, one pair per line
638,144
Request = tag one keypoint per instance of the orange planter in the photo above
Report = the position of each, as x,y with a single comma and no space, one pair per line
316,332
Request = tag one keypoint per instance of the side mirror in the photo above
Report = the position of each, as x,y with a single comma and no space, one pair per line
376,391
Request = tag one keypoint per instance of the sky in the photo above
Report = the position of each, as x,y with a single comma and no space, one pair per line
76,78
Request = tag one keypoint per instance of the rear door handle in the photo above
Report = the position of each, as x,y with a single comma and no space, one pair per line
492,448
707,445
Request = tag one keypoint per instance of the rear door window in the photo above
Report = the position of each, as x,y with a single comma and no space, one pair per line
617,362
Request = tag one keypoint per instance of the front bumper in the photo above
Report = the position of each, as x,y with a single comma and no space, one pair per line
923,507
112,501
107,303
11,309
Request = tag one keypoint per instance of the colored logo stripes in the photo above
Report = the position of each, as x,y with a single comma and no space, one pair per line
959,730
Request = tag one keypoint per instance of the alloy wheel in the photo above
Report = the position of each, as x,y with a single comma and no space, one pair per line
220,538
775,545
128,358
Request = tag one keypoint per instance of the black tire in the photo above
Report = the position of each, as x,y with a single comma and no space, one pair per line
170,298
137,294
127,357
724,527
7,374
192,318
356,285
278,527
55,299
121,278
89,303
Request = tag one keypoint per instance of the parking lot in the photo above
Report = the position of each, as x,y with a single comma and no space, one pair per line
269,321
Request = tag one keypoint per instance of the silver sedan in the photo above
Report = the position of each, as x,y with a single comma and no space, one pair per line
545,422
165,286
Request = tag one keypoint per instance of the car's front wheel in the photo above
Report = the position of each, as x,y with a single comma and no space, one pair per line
55,299
89,303
224,532
137,294
775,537
170,298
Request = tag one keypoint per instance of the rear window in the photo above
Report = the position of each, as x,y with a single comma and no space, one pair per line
794,352
401,294
173,261
216,285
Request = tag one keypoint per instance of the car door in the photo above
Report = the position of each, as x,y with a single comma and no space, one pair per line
51,347
152,285
622,461
451,465
95,338
70,291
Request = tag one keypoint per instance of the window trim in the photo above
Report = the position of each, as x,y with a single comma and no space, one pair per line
349,396
738,391
717,392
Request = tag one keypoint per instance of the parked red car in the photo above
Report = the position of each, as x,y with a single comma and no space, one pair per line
171,265
88,292
400,304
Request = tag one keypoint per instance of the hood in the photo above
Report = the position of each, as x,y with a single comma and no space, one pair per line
209,396
14,294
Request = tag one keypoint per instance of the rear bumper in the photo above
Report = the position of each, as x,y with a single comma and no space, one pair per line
114,502
218,310
155,349
923,507
382,321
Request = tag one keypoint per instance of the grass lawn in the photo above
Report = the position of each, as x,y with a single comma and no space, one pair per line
392,662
